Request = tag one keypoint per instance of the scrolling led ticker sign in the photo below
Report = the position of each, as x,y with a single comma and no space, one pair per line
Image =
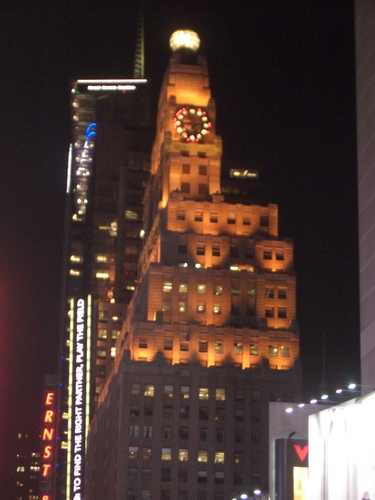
48,446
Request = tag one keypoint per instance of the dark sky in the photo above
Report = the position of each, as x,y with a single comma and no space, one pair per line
282,74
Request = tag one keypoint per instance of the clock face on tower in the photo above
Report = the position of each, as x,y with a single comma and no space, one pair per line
192,123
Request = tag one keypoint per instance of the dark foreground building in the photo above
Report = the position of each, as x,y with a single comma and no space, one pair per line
210,336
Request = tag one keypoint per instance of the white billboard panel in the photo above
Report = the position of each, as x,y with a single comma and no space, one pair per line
342,451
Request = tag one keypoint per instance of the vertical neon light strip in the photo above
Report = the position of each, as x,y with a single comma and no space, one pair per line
88,365
69,169
70,398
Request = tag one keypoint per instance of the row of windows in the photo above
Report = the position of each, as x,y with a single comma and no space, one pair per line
183,454
184,391
101,352
183,495
103,333
269,254
115,316
184,413
202,169
217,309
217,289
273,350
214,215
137,389
135,431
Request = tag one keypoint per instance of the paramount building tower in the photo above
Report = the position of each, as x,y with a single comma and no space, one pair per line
210,336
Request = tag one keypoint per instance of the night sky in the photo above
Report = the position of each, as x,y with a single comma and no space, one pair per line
282,74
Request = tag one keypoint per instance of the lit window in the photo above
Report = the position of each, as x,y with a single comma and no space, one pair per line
201,288
102,333
235,290
216,309
219,457
202,455
167,286
166,454
285,351
238,457
269,293
254,349
219,347
131,215
272,350
182,288
146,452
149,390
74,272
237,348
184,391
115,334
220,394
101,352
203,393
76,258
168,391
281,312
183,455
201,308
218,290
117,317
182,306
133,452
113,352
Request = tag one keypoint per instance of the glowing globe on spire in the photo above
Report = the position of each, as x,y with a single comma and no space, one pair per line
184,39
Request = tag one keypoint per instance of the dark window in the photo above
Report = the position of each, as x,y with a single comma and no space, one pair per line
167,411
281,293
279,254
167,432
238,436
134,410
182,476
267,254
182,249
240,394
233,251
148,410
281,312
184,433
182,495
220,435
216,250
202,189
203,434
202,476
165,495
184,412
269,293
269,312
132,473
185,187
238,478
219,477
255,416
185,168
202,169
146,474
203,413
220,414
264,220
239,415
166,475
238,457
201,250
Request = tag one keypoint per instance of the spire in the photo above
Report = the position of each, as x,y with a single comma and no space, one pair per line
139,62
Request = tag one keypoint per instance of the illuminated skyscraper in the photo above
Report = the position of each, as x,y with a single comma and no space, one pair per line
108,169
210,336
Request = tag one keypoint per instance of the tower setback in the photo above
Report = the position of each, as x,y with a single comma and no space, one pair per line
210,336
